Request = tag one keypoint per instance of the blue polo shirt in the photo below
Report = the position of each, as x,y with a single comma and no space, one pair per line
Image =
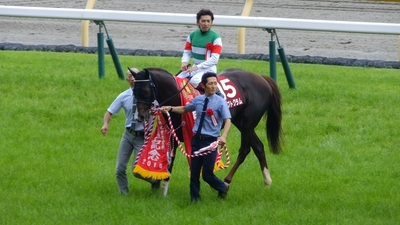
220,109
125,101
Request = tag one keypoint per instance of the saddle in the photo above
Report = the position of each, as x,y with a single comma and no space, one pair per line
199,88
189,91
226,89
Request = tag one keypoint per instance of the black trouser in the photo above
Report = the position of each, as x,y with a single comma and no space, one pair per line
206,163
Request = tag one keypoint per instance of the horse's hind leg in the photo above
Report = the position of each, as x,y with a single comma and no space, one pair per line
244,150
250,139
258,148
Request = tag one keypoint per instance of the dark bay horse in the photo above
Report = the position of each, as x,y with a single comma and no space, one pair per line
260,97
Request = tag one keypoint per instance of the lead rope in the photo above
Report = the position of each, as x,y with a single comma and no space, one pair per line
147,136
219,154
173,134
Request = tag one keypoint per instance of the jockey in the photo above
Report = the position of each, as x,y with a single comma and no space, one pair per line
204,45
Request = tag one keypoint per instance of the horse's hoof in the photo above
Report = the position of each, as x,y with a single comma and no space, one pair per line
268,182
155,185
226,180
267,178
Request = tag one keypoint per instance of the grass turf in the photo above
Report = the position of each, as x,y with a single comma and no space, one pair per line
339,163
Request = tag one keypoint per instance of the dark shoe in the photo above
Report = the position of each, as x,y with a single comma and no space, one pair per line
155,185
124,193
195,200
222,195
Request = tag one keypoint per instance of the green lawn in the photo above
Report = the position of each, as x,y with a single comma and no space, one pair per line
340,161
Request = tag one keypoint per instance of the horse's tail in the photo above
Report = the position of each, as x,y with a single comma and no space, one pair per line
274,117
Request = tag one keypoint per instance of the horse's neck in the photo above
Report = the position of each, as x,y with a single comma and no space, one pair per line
166,87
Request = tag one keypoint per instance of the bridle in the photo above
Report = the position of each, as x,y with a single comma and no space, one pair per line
148,100
151,100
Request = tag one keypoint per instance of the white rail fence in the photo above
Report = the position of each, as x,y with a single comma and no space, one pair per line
183,19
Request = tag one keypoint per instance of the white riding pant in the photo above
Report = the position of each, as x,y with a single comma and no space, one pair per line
197,75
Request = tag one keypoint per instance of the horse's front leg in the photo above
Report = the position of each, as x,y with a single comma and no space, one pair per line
165,184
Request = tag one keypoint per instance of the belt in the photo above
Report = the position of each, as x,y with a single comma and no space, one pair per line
204,137
135,133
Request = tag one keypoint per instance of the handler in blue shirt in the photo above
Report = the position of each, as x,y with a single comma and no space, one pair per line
133,137
211,112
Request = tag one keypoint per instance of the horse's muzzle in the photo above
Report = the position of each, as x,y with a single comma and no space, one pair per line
143,116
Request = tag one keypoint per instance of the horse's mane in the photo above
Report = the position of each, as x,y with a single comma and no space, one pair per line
159,70
158,74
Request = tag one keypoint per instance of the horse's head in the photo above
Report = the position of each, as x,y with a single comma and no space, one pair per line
144,91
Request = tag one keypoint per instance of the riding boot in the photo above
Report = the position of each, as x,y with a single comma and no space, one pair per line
219,93
200,89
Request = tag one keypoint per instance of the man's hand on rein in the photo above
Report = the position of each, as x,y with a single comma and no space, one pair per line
166,109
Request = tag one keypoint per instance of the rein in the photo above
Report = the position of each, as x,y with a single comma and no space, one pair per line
153,86
178,92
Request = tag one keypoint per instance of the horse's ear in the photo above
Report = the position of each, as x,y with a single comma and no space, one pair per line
132,72
148,76
146,72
